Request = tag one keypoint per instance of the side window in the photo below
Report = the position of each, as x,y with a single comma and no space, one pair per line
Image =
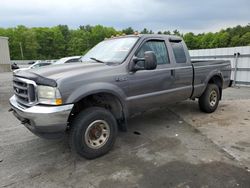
158,47
72,60
179,52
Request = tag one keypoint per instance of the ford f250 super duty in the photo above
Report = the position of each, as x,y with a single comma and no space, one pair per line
119,77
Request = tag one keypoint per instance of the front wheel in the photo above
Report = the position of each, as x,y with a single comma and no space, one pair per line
209,100
93,132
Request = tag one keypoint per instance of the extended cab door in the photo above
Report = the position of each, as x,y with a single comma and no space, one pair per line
182,69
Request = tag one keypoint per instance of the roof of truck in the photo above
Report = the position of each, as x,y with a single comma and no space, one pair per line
172,37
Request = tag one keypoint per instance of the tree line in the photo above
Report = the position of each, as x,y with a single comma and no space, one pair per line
60,41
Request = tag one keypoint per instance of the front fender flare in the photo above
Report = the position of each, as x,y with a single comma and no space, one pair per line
95,88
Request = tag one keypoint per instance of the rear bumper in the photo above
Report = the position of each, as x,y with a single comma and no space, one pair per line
44,121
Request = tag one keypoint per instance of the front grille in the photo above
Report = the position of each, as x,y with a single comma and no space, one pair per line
25,91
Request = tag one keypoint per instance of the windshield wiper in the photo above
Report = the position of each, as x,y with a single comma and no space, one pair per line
97,60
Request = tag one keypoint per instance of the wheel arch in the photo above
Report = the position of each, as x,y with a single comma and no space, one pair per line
217,79
105,98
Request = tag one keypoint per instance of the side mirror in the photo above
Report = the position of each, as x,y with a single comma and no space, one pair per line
149,62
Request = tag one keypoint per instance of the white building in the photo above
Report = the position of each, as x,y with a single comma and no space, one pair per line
239,57
4,55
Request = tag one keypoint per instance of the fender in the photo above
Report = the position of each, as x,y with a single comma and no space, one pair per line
211,75
99,87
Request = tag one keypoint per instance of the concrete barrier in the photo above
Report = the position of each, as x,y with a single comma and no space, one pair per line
5,68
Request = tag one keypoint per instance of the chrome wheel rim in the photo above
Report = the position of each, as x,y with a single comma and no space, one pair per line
213,98
97,134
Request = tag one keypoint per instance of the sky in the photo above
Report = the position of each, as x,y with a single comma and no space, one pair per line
184,15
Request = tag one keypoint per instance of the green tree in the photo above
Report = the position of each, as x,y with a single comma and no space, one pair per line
30,45
235,41
60,41
176,32
191,40
144,31
128,31
206,40
66,36
78,43
221,39
245,39
17,42
167,33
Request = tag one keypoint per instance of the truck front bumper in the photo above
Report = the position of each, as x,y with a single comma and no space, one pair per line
44,121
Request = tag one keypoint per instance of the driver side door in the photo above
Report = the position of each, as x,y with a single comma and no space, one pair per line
149,88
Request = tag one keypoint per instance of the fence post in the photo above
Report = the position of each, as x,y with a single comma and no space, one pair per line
235,66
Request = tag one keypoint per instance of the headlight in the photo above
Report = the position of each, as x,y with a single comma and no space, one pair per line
49,95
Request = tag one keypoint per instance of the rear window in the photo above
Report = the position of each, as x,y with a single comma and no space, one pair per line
179,52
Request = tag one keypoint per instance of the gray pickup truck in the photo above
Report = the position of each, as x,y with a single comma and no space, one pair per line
119,77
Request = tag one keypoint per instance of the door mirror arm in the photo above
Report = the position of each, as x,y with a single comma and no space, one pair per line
133,65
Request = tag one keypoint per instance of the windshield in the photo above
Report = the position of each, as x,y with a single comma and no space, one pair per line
114,50
34,65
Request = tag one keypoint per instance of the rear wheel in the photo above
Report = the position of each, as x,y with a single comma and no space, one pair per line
93,132
209,100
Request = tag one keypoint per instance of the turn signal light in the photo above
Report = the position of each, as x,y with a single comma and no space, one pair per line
58,101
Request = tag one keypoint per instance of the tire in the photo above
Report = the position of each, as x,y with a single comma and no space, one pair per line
93,132
209,100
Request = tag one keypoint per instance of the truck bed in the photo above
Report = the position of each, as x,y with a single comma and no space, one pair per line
203,68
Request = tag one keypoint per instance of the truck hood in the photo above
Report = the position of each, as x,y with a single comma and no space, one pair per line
56,72
51,73
21,69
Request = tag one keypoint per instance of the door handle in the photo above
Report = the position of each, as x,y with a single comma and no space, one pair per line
172,73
